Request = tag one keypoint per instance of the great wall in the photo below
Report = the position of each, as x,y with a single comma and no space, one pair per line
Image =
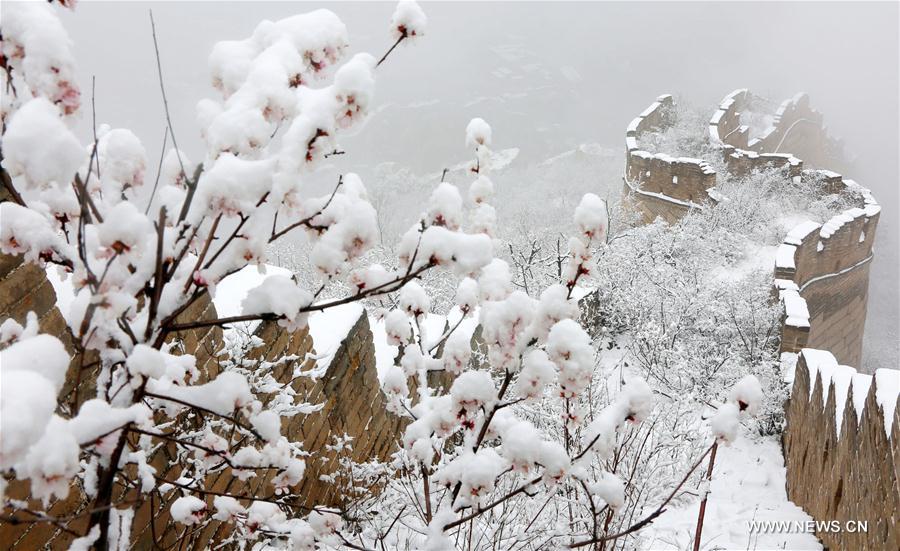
841,454
821,276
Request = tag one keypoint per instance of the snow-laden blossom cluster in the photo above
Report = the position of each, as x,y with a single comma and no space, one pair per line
37,54
144,252
744,401
140,249
470,441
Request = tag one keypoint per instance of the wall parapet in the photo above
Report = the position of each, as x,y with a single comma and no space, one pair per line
813,264
667,186
743,154
841,448
838,420
821,275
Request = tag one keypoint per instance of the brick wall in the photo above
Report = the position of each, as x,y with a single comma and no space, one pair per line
658,184
850,472
850,475
827,267
743,154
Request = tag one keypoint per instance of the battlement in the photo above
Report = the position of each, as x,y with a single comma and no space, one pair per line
821,270
839,420
666,186
743,154
822,275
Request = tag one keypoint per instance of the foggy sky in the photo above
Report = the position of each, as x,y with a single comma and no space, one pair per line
547,77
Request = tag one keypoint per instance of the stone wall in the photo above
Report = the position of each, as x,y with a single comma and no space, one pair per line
658,184
743,154
842,465
843,470
821,270
351,404
822,274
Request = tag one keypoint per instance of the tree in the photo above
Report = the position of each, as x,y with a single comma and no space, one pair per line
140,256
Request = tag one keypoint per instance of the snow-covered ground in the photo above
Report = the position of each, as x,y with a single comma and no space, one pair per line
748,486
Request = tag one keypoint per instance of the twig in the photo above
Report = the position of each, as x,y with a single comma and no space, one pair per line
649,518
387,53
162,157
162,89
709,471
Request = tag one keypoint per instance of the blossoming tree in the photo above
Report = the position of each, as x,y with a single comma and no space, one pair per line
140,255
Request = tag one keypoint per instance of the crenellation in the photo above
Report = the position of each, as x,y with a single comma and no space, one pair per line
839,419
659,184
836,420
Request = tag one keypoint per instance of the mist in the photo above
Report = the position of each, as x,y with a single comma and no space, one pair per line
547,76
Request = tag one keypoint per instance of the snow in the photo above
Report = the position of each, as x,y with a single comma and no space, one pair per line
227,392
330,327
495,282
748,485
457,352
24,231
478,134
784,256
32,372
397,328
122,159
725,423
36,47
464,253
887,383
445,207
834,224
354,85
537,372
408,21
146,361
795,308
96,419
477,473
553,306
38,145
823,364
591,217
555,460
753,258
42,354
28,402
610,489
188,510
414,300
232,290
481,189
747,394
268,424
233,185
569,347
52,462
227,508
85,543
124,227
637,399
279,295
